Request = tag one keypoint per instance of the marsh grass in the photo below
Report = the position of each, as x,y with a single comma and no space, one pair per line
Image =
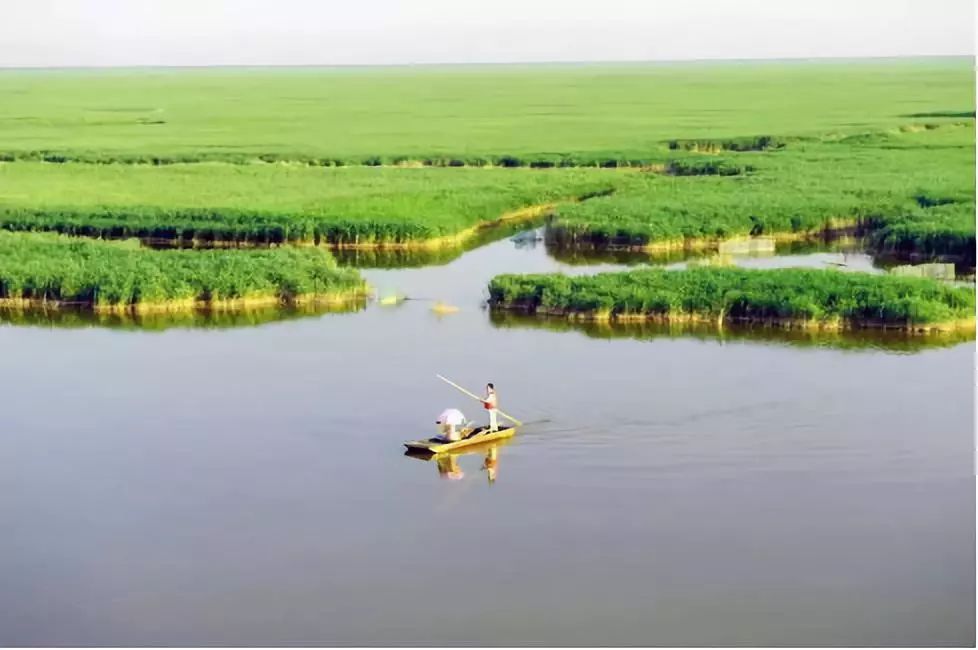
634,155
797,297
38,270
526,112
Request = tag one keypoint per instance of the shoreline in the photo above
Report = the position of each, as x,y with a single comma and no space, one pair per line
831,228
719,320
525,214
520,215
835,228
351,298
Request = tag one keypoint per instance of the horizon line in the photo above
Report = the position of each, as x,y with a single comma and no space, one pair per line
431,64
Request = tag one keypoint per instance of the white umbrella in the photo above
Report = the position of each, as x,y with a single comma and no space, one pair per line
451,416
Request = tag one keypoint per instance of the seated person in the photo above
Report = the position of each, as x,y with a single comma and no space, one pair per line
448,423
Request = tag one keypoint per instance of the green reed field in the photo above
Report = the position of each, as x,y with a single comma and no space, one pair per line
812,296
913,188
353,114
275,202
634,154
45,268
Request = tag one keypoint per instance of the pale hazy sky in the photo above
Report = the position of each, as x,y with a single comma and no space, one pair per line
291,32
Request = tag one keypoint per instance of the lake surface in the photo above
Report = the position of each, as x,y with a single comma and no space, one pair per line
248,486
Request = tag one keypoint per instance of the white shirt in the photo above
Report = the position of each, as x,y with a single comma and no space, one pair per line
451,416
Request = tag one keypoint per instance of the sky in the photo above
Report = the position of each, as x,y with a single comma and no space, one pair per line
334,32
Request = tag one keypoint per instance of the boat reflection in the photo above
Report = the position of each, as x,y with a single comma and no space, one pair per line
447,462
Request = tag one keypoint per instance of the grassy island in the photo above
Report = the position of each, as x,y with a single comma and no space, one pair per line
54,270
791,297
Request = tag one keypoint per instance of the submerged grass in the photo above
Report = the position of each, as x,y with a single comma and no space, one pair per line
39,270
825,299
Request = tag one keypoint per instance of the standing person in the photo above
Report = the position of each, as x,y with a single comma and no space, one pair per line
491,404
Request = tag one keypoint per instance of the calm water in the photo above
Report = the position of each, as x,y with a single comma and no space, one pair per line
248,486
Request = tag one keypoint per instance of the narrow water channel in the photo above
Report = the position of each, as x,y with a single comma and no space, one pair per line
248,485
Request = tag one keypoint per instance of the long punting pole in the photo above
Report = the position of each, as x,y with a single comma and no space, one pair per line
476,397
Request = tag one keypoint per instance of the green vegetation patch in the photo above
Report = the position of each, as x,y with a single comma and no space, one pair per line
313,155
53,268
826,298
276,203
619,154
526,112
913,189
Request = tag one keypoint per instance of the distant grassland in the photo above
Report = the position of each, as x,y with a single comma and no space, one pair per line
416,112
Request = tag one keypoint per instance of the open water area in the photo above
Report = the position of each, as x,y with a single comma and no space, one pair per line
248,485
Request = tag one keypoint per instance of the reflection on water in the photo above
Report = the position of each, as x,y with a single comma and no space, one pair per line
850,246
375,258
839,251
859,339
449,466
463,273
248,487
741,247
397,258
842,251
625,257
157,321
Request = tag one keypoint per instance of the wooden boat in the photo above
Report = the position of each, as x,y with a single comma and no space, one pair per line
469,437
475,449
